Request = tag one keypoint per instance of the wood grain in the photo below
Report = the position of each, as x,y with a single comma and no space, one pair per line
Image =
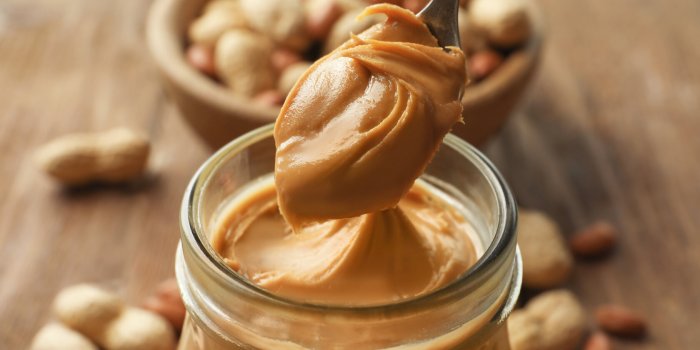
609,130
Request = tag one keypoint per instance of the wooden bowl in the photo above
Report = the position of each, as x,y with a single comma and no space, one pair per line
218,116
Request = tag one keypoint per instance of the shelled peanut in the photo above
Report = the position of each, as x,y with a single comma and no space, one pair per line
166,301
271,35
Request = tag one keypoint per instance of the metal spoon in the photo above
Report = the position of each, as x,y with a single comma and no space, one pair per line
441,18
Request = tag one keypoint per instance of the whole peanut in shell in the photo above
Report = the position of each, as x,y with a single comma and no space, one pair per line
104,319
242,61
283,21
547,261
218,18
505,23
112,156
55,336
553,320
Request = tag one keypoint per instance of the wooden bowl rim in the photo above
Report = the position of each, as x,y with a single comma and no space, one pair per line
166,47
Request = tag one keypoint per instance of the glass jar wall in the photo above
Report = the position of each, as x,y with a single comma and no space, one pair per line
225,311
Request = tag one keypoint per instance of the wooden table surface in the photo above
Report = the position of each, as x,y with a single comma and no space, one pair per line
610,130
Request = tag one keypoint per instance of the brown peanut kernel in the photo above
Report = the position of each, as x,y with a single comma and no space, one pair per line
167,302
596,239
270,97
201,58
598,341
620,320
484,63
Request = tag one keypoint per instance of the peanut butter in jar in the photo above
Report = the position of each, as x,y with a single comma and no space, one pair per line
356,227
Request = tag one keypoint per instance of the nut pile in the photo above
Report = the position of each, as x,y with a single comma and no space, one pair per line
91,318
260,48
554,319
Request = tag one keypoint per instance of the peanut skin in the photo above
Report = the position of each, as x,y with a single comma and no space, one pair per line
168,303
595,240
620,320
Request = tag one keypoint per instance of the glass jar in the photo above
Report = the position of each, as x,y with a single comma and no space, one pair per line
225,311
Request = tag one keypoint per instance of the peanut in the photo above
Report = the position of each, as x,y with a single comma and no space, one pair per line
346,24
283,21
505,23
282,58
547,262
483,63
87,309
218,5
137,329
242,62
55,336
201,58
103,318
553,320
524,331
350,5
471,39
291,75
113,156
562,318
415,5
168,303
271,97
218,18
619,320
594,240
598,341
320,17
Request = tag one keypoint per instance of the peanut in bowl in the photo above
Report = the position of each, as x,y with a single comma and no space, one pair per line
220,107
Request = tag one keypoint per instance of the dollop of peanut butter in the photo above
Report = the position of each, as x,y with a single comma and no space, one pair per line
364,121
345,221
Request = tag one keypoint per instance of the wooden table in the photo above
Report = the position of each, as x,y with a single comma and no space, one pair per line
610,130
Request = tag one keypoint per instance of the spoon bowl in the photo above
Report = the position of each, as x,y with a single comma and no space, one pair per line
441,18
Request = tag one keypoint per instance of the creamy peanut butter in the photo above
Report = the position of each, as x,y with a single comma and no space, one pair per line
343,222
376,258
363,122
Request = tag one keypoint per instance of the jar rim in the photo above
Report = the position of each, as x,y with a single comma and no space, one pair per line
191,232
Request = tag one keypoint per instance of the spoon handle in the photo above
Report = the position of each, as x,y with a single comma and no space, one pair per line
441,18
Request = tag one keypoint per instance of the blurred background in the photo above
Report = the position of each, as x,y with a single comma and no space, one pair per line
606,129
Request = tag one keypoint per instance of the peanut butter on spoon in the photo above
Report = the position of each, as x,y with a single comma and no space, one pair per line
343,223
363,122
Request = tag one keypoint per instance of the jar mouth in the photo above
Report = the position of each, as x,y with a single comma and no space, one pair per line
193,233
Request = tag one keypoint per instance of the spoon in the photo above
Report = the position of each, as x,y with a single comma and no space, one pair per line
441,18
